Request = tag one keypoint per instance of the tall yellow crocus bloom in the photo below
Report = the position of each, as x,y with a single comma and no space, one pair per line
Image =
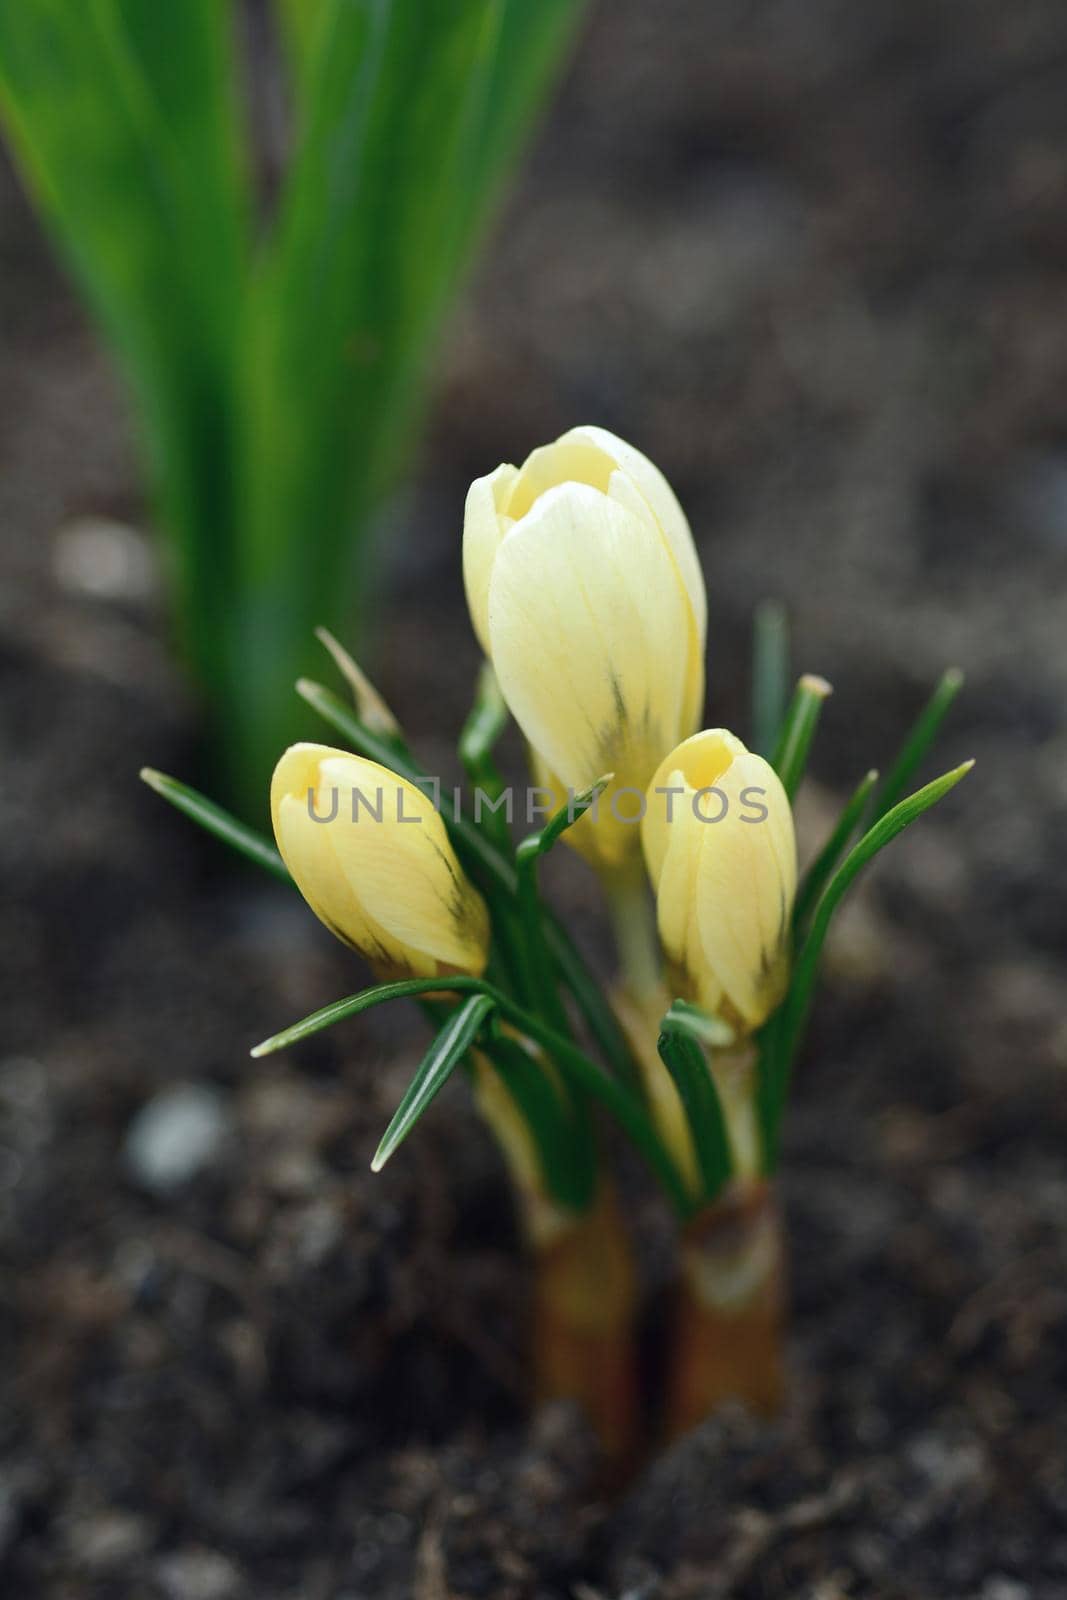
374,862
586,594
720,850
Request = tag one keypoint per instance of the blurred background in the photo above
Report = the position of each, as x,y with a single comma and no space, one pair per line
812,259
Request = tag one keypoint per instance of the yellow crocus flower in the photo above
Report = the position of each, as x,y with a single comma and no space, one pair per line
586,594
720,850
374,862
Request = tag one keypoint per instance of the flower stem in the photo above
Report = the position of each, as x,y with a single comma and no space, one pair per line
641,1001
634,926
727,1336
584,1297
734,1072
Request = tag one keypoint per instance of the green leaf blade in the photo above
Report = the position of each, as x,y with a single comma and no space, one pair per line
437,1066
822,867
539,962
698,1024
794,740
481,731
593,1006
565,1151
917,744
688,1066
352,1005
586,1075
214,819
124,119
408,117
538,844
781,1036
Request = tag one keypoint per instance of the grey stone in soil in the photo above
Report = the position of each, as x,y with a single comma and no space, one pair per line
175,1136
198,1574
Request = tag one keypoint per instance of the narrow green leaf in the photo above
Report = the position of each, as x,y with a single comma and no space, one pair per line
487,721
684,1017
688,1066
770,668
277,372
627,1110
298,24
539,961
585,1074
409,116
589,997
538,844
371,709
521,50
899,817
373,743
124,121
539,964
482,729
773,1072
566,1150
794,741
246,841
781,1037
916,745
437,1066
821,869
353,1004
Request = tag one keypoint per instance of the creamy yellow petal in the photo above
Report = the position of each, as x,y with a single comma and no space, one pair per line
569,460
623,489
585,621
309,846
724,869
676,909
407,877
744,891
483,528
659,816
311,862
390,887
589,455
296,792
664,503
696,763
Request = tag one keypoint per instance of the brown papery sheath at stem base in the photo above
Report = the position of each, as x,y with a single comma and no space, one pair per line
583,1322
726,1342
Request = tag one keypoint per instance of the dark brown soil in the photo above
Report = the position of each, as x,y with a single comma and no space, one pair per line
811,255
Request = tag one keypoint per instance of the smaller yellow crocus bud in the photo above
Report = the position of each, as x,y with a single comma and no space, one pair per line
586,594
374,862
720,850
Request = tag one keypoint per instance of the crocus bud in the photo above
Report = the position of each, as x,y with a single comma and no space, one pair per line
719,846
374,862
586,593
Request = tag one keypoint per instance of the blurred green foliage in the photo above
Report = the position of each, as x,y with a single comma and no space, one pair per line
277,354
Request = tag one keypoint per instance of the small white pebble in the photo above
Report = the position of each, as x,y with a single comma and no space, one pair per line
105,559
197,1574
1003,1588
177,1134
